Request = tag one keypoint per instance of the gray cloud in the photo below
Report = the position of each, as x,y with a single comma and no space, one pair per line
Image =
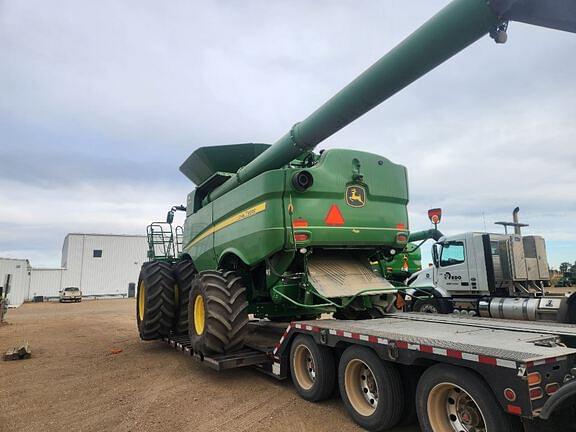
102,101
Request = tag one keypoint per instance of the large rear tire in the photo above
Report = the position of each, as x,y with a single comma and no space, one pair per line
156,301
184,272
218,312
452,399
371,389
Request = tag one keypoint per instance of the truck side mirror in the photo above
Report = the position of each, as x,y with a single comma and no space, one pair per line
170,217
435,254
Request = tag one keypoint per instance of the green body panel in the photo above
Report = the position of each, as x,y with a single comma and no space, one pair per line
255,237
377,223
202,252
251,238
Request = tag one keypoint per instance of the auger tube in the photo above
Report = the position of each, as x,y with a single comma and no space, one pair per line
425,235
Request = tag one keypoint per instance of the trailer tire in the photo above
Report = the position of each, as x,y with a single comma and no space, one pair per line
313,369
184,272
443,388
218,312
156,300
371,389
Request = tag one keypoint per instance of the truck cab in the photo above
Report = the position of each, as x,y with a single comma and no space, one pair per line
490,275
459,265
484,264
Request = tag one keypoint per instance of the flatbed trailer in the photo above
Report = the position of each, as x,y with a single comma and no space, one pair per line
452,373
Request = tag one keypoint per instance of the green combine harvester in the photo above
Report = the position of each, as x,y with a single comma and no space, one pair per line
284,233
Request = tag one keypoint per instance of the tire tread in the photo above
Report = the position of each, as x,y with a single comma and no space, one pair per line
226,312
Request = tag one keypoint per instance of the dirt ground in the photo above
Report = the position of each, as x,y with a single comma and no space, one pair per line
73,382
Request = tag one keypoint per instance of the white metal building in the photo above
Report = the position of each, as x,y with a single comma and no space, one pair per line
19,274
99,264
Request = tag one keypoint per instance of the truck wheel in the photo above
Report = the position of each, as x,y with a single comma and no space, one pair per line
313,369
433,306
155,302
184,272
453,399
371,389
218,312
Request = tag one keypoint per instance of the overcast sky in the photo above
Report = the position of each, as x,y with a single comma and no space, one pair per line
100,102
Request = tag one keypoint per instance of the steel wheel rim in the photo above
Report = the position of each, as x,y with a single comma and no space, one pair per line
361,387
141,300
304,367
429,308
452,409
199,315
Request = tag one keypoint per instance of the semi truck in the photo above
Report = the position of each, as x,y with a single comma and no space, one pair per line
277,237
491,275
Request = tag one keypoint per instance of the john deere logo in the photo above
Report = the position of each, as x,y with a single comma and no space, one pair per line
355,196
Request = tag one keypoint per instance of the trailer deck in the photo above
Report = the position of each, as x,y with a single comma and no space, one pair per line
505,343
509,344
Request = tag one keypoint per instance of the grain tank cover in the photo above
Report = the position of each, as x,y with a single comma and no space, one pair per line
206,161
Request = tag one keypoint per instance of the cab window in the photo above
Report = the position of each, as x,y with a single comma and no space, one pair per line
452,253
495,248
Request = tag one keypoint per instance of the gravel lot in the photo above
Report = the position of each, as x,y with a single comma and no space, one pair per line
74,382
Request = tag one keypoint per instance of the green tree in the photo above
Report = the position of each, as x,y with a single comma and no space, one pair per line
564,267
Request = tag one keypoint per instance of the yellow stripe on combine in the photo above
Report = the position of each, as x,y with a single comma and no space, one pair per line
231,220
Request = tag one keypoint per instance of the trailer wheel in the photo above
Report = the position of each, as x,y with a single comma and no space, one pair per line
313,369
371,389
218,312
184,272
453,399
155,302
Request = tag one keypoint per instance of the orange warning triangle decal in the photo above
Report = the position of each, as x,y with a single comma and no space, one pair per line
334,216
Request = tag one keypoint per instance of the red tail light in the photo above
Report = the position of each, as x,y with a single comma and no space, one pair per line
510,395
552,388
536,393
401,238
301,237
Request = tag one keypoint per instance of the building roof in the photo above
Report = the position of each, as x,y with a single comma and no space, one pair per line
105,235
13,259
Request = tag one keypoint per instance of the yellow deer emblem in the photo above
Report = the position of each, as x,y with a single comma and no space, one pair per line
355,196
